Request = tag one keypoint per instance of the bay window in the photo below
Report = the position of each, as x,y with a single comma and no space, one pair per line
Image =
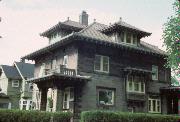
135,84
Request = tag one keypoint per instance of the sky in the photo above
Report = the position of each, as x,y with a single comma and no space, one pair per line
23,20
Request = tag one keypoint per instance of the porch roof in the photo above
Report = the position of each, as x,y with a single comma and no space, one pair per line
137,70
170,89
58,76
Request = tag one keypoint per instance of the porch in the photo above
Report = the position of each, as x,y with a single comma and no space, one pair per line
60,89
172,96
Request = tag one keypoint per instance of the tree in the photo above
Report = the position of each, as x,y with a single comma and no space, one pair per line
171,36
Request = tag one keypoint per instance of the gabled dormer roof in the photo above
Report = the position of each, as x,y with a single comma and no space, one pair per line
10,72
68,25
123,25
26,70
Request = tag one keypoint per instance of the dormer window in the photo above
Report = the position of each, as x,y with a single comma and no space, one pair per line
128,38
125,37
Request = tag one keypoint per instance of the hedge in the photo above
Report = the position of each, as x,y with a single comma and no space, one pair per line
107,116
33,116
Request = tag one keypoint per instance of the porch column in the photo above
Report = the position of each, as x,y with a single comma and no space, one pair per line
43,92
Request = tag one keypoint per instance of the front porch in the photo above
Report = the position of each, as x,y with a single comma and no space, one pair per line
172,96
60,90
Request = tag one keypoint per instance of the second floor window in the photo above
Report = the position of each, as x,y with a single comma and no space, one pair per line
154,72
65,61
30,87
136,84
15,83
101,63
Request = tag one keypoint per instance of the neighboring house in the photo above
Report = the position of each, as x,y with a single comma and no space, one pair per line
96,66
15,92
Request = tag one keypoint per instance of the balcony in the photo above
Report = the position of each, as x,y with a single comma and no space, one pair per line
60,70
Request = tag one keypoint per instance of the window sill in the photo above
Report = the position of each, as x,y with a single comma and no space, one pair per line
100,72
133,92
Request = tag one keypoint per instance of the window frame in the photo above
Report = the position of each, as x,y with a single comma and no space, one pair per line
15,85
65,59
29,87
140,84
106,90
101,64
157,73
151,106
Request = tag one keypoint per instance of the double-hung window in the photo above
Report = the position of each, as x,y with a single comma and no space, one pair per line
154,105
154,72
65,61
101,63
15,83
136,84
105,97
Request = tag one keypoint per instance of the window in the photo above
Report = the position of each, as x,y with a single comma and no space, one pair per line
105,97
30,87
25,104
154,105
154,72
68,97
101,63
128,38
122,36
65,61
15,83
136,84
134,39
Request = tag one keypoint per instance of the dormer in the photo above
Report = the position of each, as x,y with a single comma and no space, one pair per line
121,32
65,28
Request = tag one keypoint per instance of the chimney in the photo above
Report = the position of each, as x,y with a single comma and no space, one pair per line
83,18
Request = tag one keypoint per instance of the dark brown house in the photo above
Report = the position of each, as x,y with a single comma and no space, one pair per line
87,67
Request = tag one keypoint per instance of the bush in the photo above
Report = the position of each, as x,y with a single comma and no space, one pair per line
107,116
33,116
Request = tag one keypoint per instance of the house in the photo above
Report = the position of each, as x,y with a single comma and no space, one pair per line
15,92
96,66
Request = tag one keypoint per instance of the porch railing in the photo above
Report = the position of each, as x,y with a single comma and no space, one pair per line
61,69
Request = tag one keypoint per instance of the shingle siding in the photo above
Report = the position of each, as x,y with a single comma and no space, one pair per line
115,78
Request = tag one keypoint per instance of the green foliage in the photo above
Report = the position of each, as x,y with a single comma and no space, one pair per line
107,116
171,36
33,116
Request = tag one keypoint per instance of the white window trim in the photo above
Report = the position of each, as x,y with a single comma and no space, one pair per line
154,66
67,91
106,91
133,86
65,58
15,84
151,109
28,104
101,64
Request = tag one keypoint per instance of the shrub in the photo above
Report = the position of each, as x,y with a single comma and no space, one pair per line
33,116
107,116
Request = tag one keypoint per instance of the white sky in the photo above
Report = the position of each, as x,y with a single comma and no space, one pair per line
23,20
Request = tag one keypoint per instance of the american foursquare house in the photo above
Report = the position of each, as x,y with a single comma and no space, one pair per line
95,66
